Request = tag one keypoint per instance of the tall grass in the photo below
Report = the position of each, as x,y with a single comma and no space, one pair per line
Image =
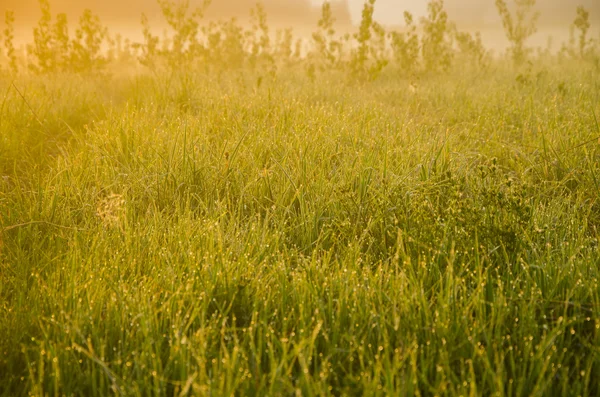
188,232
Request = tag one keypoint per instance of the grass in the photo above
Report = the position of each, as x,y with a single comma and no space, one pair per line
183,234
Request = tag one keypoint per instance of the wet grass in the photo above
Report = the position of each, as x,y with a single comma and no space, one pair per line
188,235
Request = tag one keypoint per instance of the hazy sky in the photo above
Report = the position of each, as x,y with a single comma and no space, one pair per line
390,11
387,11
468,14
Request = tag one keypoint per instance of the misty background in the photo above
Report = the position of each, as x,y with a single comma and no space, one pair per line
123,16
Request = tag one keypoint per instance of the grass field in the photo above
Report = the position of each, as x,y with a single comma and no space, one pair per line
186,232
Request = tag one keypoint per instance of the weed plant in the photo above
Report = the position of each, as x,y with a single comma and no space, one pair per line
519,26
9,36
213,221
406,46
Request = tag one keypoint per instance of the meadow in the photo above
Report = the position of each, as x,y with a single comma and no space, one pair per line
233,212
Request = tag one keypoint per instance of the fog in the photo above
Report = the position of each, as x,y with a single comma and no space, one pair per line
128,12
123,16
